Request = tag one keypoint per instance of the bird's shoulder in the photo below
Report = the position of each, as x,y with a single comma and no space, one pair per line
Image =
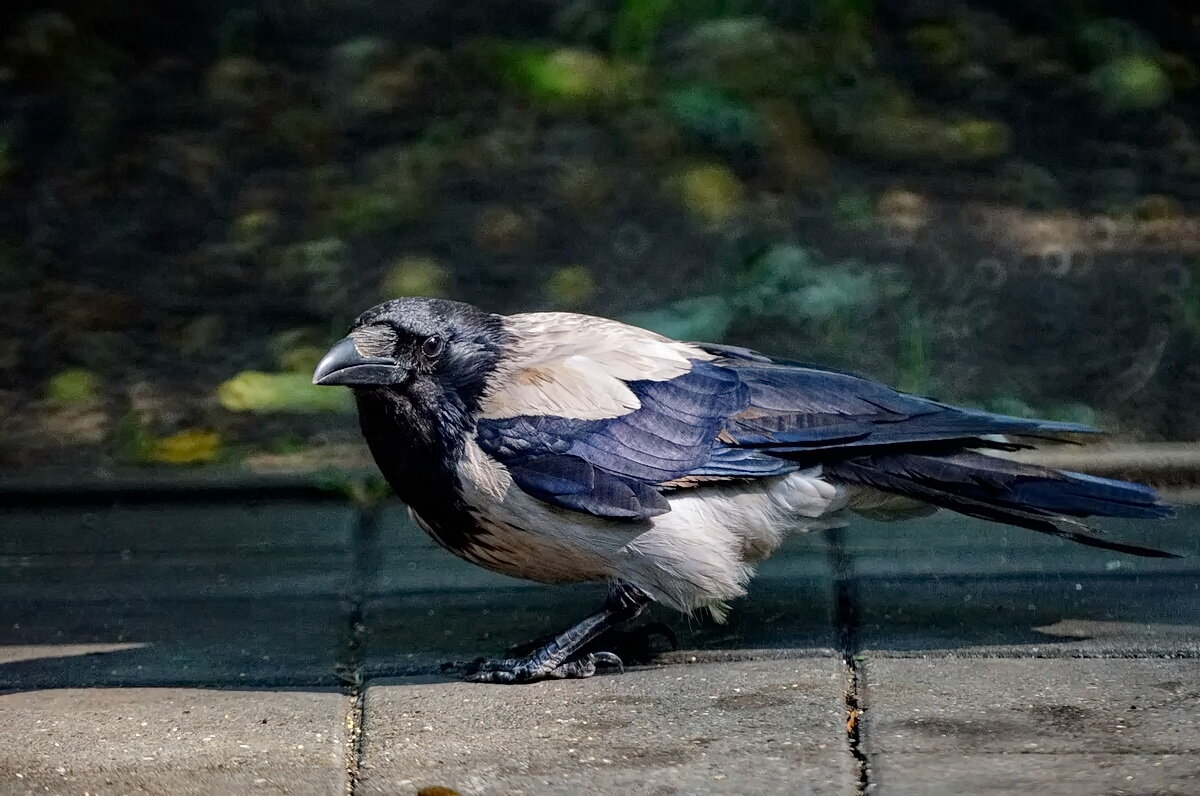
579,366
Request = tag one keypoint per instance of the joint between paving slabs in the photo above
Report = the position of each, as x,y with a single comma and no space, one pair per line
354,740
846,625
352,649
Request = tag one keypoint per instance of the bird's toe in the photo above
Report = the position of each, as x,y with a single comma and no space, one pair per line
525,671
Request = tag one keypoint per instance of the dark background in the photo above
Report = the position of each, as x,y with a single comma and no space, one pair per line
993,203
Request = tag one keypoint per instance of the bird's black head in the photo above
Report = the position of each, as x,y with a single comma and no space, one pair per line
432,352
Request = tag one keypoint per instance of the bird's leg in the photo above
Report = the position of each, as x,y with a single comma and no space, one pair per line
557,659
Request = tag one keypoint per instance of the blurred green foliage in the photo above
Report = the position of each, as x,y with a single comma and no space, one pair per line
565,78
714,119
1131,82
191,446
703,318
637,25
289,393
415,275
790,283
72,387
966,200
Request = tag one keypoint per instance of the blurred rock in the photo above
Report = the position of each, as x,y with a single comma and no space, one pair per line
904,214
403,84
84,424
584,186
255,228
794,161
203,333
238,83
304,132
354,59
78,310
500,229
10,353
938,44
1034,187
653,135
1157,207
900,137
1182,71
1035,58
979,139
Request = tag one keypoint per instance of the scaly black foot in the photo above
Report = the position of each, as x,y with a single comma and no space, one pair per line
529,670
564,655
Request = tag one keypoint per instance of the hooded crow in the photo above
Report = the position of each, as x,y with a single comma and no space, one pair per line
563,448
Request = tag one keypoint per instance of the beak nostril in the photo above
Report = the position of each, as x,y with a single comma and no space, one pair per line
343,365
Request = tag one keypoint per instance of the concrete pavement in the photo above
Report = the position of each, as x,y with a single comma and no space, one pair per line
287,646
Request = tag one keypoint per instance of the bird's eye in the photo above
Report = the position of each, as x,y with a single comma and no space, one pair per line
433,347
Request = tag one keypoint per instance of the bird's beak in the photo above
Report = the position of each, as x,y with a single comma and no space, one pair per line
344,365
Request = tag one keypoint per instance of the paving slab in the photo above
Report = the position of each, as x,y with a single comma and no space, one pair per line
957,587
202,526
1059,615
750,727
169,595
172,642
1071,774
1078,726
170,740
951,544
218,574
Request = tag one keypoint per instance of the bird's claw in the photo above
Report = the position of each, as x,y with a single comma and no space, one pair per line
526,670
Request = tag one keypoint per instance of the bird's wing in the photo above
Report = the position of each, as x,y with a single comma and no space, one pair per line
730,413
796,409
615,467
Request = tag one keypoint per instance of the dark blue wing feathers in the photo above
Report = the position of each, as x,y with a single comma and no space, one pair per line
671,436
573,483
746,416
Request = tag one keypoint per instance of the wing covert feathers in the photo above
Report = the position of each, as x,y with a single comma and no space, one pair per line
577,366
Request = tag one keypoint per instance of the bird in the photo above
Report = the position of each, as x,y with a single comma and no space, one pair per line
561,448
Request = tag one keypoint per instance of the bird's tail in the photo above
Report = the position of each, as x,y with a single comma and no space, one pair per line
992,488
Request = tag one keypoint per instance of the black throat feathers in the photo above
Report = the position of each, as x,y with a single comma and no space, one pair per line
418,446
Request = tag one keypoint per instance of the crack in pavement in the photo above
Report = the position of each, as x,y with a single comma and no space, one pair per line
847,618
353,644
